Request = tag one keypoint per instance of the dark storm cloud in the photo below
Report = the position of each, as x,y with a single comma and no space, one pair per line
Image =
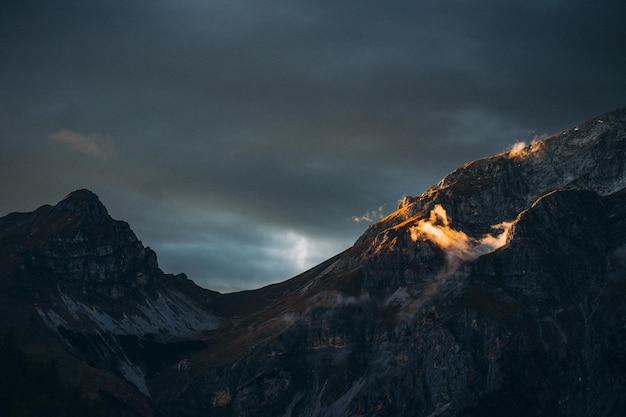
239,138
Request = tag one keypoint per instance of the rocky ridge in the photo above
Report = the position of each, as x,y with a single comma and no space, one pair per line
498,291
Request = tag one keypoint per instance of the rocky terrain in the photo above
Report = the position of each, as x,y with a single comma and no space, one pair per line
498,291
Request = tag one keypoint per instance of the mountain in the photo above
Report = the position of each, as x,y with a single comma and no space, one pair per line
109,314
498,291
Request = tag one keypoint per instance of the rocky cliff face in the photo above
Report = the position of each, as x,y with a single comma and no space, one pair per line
98,290
499,291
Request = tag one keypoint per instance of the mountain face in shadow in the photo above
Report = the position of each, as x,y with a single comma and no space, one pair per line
498,291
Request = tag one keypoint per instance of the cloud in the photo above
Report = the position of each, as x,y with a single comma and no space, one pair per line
370,216
97,145
518,150
458,247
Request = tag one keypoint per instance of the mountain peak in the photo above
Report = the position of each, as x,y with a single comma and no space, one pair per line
84,203
495,189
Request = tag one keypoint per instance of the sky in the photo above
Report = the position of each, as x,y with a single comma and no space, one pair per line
248,141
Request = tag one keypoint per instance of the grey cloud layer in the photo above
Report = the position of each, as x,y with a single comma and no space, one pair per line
284,118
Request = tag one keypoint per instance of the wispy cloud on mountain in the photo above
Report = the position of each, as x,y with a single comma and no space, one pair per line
370,216
459,247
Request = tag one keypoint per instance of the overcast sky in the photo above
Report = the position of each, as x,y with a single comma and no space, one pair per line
242,140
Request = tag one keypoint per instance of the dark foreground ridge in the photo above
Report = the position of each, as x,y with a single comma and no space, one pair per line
498,291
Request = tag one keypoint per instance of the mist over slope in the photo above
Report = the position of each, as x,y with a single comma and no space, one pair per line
498,291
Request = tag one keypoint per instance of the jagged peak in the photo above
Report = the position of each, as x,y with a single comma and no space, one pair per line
494,189
553,154
84,203
82,194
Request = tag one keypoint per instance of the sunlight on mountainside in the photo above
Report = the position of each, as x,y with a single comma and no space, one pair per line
518,150
522,150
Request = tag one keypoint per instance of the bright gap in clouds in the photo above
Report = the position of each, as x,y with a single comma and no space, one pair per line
226,265
298,251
